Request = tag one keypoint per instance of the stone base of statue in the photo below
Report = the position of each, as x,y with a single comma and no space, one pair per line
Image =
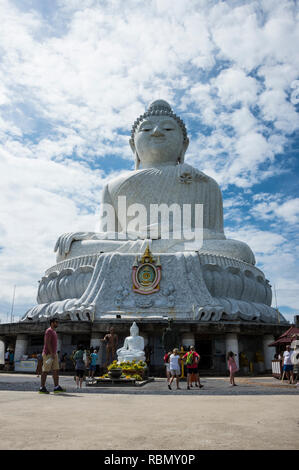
190,286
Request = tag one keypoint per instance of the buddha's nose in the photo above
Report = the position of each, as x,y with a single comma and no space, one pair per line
157,132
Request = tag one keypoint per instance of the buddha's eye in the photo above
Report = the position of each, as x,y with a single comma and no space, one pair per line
168,129
145,129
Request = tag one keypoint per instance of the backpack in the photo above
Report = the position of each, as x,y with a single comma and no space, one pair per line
189,360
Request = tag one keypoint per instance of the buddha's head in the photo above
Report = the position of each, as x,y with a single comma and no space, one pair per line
134,330
159,137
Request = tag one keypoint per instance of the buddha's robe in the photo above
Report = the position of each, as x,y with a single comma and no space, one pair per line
177,184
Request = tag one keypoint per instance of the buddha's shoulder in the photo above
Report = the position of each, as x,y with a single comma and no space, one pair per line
196,175
129,178
115,183
182,172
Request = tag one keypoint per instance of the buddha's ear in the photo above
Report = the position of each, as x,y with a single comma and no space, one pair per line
133,148
132,145
184,150
137,161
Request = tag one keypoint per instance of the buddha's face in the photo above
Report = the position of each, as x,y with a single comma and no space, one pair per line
134,330
159,140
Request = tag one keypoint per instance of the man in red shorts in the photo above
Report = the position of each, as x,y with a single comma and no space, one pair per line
191,360
50,358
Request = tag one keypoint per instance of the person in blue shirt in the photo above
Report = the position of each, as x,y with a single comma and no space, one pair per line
93,363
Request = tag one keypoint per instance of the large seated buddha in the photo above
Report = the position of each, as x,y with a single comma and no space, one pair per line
207,278
159,142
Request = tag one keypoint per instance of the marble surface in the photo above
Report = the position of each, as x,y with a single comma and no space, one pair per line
205,291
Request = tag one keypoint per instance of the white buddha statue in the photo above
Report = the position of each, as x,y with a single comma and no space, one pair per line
133,348
159,142
94,274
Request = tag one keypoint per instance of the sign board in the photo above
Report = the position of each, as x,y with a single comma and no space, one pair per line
26,366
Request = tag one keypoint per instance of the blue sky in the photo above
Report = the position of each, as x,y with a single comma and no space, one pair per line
74,75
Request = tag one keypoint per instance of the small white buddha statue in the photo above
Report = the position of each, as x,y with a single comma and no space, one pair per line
133,348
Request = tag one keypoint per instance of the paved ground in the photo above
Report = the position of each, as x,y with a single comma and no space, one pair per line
261,413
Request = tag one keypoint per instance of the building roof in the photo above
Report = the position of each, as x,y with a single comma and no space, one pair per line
286,337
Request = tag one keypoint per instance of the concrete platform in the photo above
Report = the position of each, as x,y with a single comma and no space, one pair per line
260,413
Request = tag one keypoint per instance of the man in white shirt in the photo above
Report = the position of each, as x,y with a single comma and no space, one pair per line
175,368
288,365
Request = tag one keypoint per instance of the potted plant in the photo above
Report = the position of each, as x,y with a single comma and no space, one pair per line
133,368
114,370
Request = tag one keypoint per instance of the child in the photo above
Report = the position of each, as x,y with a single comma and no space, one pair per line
233,368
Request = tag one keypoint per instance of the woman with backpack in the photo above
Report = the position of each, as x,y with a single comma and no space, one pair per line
191,360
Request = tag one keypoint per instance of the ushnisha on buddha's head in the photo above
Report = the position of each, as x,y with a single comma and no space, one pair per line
159,137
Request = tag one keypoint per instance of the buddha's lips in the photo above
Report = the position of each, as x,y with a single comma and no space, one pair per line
158,139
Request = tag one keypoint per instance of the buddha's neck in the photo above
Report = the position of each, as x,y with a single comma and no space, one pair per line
156,165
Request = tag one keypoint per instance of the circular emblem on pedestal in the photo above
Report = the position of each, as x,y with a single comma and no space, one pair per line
146,274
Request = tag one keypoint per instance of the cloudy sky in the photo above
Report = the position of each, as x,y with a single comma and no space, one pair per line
75,74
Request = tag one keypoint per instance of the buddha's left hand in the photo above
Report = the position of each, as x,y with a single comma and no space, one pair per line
63,244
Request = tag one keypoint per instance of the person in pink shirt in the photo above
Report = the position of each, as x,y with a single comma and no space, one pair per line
232,366
50,358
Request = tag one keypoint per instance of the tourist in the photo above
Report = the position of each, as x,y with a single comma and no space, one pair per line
175,368
232,366
7,360
86,359
167,365
280,358
288,365
39,366
11,359
191,360
93,363
79,365
72,357
295,358
50,358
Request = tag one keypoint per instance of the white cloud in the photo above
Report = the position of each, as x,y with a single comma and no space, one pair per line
277,209
277,256
260,241
234,86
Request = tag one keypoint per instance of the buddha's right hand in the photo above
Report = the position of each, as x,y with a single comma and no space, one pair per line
64,242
